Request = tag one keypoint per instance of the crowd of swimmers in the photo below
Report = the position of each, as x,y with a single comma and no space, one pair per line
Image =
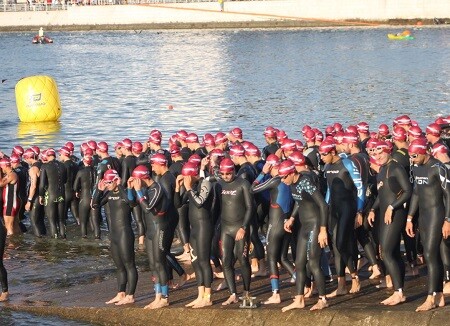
349,191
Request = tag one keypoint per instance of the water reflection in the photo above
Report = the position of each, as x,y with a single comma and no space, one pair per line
38,133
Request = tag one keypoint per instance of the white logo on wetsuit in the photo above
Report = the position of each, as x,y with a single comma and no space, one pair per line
422,180
229,192
333,171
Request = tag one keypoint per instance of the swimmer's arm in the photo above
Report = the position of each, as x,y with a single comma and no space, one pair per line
248,198
199,198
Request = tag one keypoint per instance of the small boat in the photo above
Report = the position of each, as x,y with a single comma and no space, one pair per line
41,40
400,37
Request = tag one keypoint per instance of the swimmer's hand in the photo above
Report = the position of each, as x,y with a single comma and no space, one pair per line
130,182
101,185
240,234
179,182
409,227
288,225
371,218
446,230
266,168
137,184
323,237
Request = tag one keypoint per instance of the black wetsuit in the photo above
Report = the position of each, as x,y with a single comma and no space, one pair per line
345,196
270,149
37,210
394,189
312,155
3,273
70,200
431,195
154,202
52,188
185,153
121,236
236,212
84,181
200,201
280,208
22,174
312,211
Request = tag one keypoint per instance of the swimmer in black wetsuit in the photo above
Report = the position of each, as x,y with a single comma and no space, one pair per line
236,213
82,186
199,195
431,195
9,182
3,274
111,193
33,206
313,213
394,190
280,207
154,202
345,196
21,169
53,178
69,197
270,135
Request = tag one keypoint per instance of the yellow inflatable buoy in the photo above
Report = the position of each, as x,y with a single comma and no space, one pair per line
37,99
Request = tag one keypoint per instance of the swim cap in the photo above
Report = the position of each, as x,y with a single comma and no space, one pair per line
88,152
383,146
226,166
245,144
174,150
281,135
36,150
237,133
195,158
402,120
217,152
418,146
288,145
305,129
337,127
434,129
50,152
18,150
352,129
237,150
329,131
350,138
299,145
339,137
141,172
399,134
286,167
182,135
87,159
439,121
310,135
64,151
192,138
159,159
110,175
190,169
209,141
326,147
137,147
127,143
439,148
29,153
70,146
273,160
362,127
220,138
14,159
372,143
5,162
298,158
102,147
270,132
383,130
155,137
319,135
92,144
415,131
174,141
252,150
155,133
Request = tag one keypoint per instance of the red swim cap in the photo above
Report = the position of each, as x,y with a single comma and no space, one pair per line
217,152
352,129
339,137
36,150
220,138
319,135
439,148
5,162
237,150
127,143
70,146
384,146
310,135
362,127
102,147
137,147
350,138
418,146
372,143
415,131
155,137
174,150
286,167
305,129
288,145
434,129
64,151
50,152
273,160
270,132
337,127
18,150
329,131
327,146
209,142
252,150
281,135
190,169
402,120
110,175
182,135
87,159
226,166
14,158
192,138
141,172
299,145
92,144
237,132
298,158
88,152
383,130
159,159
195,158
399,134
29,153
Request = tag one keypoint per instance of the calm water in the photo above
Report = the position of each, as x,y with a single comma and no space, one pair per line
119,84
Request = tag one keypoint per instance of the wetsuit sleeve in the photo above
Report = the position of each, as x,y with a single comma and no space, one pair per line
445,185
100,198
295,209
180,198
323,207
355,175
414,203
77,182
42,182
259,185
248,198
405,185
376,203
200,197
124,175
127,195
153,197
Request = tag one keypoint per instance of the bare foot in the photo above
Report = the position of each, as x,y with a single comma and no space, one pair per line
412,270
183,279
361,263
298,303
218,275
439,299
375,272
117,298
427,305
260,273
338,292
321,304
386,283
160,304
396,298
185,256
356,285
153,303
4,296
232,299
222,285
275,298
311,291
193,303
203,303
127,300
447,288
